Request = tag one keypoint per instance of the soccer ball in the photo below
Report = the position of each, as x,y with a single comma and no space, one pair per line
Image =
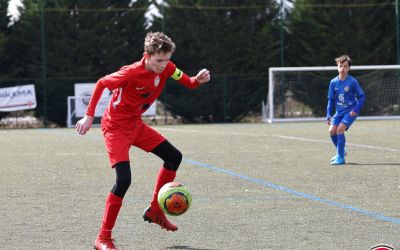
174,198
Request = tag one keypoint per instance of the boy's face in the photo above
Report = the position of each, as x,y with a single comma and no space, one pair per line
158,62
343,67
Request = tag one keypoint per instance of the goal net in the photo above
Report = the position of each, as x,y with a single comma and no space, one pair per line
300,93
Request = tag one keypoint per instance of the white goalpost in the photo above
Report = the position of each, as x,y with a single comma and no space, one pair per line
300,93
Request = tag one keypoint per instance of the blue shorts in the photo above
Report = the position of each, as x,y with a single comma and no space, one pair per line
346,119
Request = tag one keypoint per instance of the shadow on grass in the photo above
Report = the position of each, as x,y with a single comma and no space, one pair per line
372,164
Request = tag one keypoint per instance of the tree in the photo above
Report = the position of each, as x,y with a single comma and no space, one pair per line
3,34
3,38
234,38
84,40
319,31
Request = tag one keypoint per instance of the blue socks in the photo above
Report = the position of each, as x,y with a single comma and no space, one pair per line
341,141
334,139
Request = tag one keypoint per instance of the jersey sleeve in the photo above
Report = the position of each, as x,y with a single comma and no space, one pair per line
182,78
360,96
112,81
359,91
329,108
331,91
117,79
331,98
360,103
94,99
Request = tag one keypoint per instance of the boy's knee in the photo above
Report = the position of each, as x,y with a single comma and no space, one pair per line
341,129
173,161
171,156
124,181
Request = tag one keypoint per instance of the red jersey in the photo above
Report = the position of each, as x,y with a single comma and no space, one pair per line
134,90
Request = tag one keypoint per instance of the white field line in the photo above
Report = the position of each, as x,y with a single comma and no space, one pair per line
278,136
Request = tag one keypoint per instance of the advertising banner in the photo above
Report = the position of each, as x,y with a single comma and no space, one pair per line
17,98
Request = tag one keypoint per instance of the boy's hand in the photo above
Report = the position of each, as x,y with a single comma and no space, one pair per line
84,124
328,121
203,76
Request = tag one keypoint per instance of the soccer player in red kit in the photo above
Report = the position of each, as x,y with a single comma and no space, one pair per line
135,87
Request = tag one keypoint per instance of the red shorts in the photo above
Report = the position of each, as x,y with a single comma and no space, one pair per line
118,142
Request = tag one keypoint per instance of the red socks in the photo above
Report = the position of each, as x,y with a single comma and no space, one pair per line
164,176
113,204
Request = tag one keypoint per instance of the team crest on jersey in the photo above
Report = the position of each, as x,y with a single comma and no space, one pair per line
157,81
346,88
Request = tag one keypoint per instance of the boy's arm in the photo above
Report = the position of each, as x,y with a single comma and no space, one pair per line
330,108
360,103
96,95
360,97
112,81
84,124
331,102
191,82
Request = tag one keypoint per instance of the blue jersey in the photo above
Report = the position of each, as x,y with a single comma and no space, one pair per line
347,95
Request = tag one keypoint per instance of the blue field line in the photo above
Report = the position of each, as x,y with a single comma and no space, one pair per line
372,214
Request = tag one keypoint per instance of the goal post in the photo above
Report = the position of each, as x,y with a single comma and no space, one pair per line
300,93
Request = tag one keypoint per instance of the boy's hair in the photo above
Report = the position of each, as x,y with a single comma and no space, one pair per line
342,59
157,42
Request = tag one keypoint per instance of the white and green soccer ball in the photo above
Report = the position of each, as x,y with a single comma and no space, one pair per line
174,198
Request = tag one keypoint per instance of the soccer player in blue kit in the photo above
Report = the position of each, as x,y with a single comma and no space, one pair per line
348,97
